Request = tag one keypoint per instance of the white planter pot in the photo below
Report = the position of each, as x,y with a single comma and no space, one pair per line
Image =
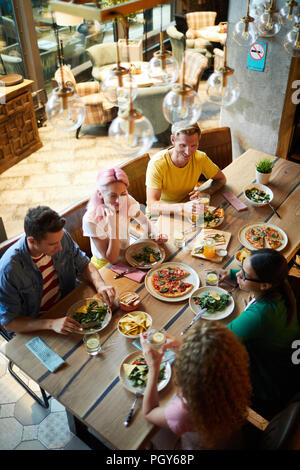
262,178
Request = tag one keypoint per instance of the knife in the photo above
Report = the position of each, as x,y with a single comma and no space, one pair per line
194,320
274,210
130,270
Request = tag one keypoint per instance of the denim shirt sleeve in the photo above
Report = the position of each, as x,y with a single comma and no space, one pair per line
20,290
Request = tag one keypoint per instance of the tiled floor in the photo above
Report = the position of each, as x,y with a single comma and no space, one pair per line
24,424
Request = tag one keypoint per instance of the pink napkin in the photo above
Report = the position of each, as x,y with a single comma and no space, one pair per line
137,275
234,201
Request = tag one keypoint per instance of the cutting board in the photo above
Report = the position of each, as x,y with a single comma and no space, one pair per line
199,241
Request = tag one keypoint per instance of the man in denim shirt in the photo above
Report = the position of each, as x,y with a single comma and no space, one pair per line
38,270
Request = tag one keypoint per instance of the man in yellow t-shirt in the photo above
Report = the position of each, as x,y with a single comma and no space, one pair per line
173,173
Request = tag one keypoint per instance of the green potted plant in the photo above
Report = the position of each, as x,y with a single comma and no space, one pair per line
264,170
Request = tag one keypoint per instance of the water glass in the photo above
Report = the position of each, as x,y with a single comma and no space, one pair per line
92,343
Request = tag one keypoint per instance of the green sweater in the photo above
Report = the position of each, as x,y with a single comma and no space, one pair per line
268,339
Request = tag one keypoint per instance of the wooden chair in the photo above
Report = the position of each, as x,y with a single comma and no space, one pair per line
282,432
216,143
136,172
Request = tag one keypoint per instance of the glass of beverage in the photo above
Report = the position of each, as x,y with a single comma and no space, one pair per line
211,277
204,198
92,343
179,239
209,249
156,338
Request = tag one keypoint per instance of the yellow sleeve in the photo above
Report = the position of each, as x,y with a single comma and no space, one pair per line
154,177
209,168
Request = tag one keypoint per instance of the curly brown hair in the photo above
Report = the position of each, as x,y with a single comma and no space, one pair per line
212,372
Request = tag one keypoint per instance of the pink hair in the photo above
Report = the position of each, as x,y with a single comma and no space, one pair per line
105,177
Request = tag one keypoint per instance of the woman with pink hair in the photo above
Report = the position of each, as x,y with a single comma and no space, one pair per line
108,214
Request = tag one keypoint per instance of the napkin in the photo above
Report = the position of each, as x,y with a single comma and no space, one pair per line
137,275
234,201
46,355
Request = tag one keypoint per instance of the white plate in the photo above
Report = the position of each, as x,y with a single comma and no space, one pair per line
137,247
126,382
134,313
199,224
244,242
72,310
211,316
193,278
261,187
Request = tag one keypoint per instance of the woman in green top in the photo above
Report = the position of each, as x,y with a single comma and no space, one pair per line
268,327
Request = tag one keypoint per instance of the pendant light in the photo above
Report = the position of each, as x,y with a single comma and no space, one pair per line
292,41
222,87
65,109
269,23
131,133
290,13
119,87
182,104
244,31
163,67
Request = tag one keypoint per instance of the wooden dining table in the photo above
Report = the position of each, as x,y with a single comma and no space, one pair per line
90,387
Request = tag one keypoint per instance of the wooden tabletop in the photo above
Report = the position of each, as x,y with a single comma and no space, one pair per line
89,387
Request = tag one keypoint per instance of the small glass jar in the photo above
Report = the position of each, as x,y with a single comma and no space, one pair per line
179,239
211,277
92,343
156,338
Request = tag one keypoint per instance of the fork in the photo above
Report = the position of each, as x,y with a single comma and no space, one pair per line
130,414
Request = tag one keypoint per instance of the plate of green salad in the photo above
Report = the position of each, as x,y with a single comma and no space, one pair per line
258,194
134,373
217,301
92,313
145,254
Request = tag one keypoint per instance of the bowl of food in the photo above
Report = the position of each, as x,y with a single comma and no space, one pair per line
241,255
129,301
134,323
258,194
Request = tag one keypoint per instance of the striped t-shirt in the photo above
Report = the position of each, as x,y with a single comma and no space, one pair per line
51,291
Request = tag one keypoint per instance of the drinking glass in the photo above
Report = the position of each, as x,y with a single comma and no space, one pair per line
209,249
156,338
92,343
179,239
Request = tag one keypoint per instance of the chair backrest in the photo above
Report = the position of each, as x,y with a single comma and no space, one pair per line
177,40
103,54
216,143
283,431
136,172
195,64
199,19
133,51
73,216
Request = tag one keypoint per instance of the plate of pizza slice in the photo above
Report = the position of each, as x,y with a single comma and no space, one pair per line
172,282
263,235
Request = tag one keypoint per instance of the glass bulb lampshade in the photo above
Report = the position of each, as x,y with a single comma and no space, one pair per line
163,68
292,41
268,24
118,86
182,104
289,16
244,36
222,90
131,133
65,109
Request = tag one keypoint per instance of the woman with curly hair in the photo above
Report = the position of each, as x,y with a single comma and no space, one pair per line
214,389
268,327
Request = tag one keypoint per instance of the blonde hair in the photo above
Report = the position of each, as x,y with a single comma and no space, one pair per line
212,374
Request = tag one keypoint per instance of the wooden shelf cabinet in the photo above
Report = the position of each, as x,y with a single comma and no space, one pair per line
19,135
